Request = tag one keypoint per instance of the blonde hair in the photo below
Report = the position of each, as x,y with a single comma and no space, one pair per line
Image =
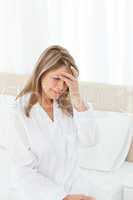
51,58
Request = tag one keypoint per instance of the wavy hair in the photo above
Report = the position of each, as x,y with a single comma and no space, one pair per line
51,58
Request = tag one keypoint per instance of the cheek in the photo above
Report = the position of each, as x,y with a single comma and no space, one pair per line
47,85
52,84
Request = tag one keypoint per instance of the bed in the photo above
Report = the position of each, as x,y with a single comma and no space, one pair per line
104,97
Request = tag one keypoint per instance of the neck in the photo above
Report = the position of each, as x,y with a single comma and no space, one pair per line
45,100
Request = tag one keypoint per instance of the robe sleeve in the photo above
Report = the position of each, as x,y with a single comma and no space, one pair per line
29,182
86,126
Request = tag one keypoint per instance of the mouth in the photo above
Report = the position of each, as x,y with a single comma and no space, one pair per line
57,93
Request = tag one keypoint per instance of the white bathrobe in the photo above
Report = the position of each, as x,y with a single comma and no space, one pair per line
44,153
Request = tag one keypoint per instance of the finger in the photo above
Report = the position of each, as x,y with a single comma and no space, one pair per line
67,75
84,197
75,72
90,198
67,81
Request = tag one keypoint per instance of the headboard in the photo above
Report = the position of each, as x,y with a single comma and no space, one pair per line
103,96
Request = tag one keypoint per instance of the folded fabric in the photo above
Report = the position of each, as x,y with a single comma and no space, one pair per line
6,102
115,135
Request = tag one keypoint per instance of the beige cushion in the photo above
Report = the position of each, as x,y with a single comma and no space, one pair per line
103,96
130,153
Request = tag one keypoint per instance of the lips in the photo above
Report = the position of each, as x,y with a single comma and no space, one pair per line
59,93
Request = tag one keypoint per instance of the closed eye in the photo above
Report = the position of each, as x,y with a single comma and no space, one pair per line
56,78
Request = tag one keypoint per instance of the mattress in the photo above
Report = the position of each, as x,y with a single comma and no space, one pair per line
111,182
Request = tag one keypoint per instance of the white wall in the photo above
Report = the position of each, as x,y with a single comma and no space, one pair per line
98,33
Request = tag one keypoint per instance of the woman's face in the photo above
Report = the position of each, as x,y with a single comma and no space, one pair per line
52,86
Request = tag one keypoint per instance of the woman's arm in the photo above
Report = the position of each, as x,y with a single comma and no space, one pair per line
30,184
83,115
86,125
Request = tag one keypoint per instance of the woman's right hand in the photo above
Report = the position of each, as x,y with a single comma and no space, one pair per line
78,197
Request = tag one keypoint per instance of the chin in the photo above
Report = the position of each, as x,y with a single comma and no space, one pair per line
54,97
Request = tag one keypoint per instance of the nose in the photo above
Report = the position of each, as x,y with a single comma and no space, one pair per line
60,85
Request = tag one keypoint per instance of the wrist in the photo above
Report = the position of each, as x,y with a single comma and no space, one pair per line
80,106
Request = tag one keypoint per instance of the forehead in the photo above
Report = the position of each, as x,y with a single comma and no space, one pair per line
60,70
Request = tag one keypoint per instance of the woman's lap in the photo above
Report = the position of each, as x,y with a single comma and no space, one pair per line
83,185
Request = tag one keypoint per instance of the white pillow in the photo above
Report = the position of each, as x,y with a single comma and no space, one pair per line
6,102
5,181
115,134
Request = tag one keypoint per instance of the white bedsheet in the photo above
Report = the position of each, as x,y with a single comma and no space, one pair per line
111,182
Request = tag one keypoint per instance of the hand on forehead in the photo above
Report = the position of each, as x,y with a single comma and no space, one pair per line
66,70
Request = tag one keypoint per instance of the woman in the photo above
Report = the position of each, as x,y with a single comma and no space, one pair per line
49,122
